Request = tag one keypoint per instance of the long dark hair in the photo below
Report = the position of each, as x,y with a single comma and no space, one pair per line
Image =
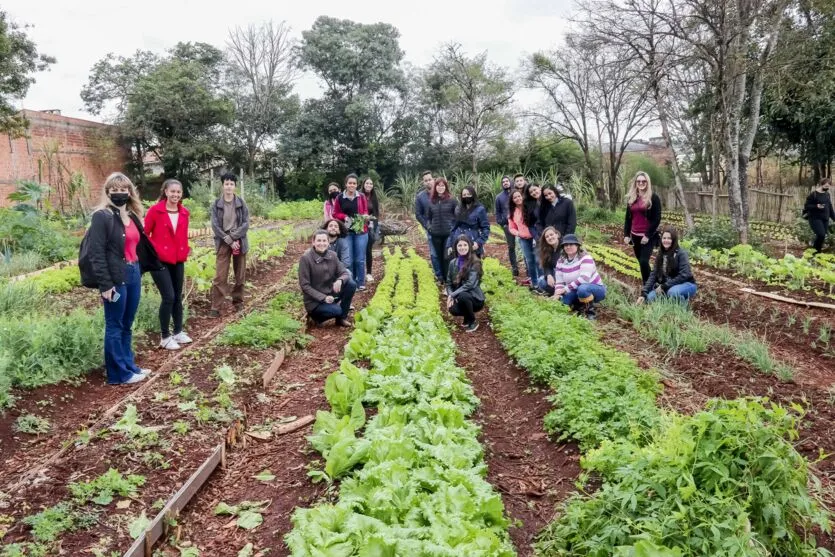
531,212
462,212
548,255
671,230
472,262
433,195
165,184
372,197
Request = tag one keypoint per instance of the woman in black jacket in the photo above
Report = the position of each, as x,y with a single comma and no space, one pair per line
119,252
441,217
671,276
373,223
643,215
464,295
818,209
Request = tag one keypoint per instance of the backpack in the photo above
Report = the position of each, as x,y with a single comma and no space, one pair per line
85,264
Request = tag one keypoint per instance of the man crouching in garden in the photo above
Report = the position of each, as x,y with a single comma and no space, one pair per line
325,282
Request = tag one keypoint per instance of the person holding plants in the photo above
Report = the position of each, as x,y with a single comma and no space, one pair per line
326,284
351,207
818,210
671,276
373,224
471,221
463,283
502,219
576,281
333,192
441,214
166,225
557,211
520,229
421,208
549,253
337,241
119,251
643,215
230,223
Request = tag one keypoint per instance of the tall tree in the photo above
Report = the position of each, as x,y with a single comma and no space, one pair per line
261,75
19,59
476,99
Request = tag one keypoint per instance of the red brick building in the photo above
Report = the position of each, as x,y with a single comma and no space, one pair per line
54,148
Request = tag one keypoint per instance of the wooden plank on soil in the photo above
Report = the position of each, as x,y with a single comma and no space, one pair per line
143,545
293,426
269,375
779,298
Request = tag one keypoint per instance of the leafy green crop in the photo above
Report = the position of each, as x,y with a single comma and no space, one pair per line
102,489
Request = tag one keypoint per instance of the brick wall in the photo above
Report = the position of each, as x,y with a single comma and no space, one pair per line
56,146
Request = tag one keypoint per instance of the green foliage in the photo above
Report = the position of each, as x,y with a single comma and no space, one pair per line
262,329
660,176
249,513
594,214
48,525
32,424
719,235
22,231
726,481
57,281
296,210
104,488
22,262
19,298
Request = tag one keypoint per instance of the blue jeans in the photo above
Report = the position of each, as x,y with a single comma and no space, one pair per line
435,258
681,292
118,321
530,258
542,284
339,308
584,291
357,244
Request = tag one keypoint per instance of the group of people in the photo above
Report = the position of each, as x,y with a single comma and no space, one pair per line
119,247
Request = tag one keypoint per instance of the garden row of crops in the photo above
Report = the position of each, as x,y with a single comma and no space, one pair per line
414,482
773,230
40,345
616,259
725,481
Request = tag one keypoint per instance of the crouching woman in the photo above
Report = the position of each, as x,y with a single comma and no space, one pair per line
577,283
671,275
463,283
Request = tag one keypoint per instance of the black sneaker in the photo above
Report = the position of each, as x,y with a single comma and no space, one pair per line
471,328
213,313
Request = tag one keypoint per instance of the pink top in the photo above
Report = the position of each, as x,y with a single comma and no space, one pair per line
517,224
640,222
131,241
328,209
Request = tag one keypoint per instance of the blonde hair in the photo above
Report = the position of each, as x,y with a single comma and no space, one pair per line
633,195
134,205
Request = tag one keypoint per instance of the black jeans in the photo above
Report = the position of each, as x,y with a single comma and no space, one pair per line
339,308
511,250
372,228
169,281
643,252
466,306
819,228
439,242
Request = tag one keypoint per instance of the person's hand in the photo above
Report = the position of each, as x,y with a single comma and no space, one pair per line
337,285
559,291
107,295
644,240
820,205
329,299
640,300
627,240
348,222
659,291
450,301
550,280
475,245
236,244
449,253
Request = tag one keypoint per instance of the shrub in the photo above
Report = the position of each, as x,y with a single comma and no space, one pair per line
13,264
29,231
19,298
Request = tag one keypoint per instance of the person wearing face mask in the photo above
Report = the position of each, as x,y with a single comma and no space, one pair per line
471,221
333,193
370,193
326,284
818,210
643,216
117,253
671,276
557,211
441,215
463,283
230,223
503,218
166,225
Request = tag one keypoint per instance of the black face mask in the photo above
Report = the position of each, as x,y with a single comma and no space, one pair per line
826,189
467,200
333,194
119,199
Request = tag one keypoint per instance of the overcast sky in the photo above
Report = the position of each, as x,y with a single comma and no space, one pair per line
80,32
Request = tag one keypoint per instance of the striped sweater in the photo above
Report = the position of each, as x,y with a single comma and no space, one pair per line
575,272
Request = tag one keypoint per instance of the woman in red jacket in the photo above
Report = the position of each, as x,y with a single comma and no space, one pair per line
166,225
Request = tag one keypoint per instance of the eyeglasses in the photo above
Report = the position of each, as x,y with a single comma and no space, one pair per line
640,181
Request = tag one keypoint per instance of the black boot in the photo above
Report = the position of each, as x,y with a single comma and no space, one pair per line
587,304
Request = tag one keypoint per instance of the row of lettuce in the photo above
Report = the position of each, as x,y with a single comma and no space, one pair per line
46,339
412,477
725,481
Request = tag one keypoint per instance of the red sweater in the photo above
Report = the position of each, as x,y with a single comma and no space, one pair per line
171,246
362,208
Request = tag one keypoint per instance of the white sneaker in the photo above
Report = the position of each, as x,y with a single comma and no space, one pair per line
144,371
135,378
182,338
369,278
169,344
